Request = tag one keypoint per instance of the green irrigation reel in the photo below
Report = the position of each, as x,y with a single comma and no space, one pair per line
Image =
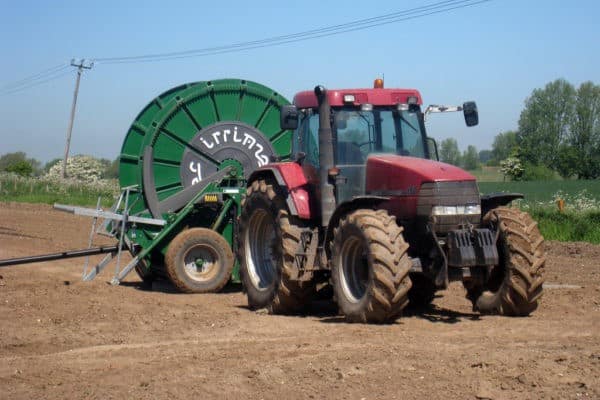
184,160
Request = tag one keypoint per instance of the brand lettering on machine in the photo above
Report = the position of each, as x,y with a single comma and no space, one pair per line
246,139
196,168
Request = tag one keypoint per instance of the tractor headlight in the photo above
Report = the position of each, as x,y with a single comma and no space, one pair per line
472,209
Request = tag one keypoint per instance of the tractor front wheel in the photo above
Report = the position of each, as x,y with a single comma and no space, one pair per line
370,267
515,285
199,260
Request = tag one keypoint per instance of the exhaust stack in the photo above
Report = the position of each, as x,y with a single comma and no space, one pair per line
326,159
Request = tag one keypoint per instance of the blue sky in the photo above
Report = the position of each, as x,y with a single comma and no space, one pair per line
495,53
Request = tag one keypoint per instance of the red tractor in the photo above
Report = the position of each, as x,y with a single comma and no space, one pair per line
364,207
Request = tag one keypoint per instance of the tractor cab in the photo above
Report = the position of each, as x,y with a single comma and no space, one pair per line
363,122
358,132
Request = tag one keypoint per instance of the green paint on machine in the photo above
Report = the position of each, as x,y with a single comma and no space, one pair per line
190,133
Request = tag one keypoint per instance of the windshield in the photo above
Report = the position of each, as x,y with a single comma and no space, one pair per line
360,133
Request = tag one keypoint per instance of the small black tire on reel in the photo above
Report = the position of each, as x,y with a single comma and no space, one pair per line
199,260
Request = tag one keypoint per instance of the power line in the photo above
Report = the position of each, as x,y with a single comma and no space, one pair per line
57,74
34,77
399,16
281,37
58,71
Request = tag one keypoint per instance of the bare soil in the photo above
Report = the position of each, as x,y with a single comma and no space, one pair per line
62,338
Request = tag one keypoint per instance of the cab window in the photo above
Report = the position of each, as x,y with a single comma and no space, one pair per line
307,138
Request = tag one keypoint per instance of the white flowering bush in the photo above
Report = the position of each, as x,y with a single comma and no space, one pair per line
512,168
80,168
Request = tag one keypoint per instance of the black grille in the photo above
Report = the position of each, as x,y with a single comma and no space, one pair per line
448,194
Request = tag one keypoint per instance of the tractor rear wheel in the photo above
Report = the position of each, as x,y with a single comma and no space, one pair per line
370,267
269,239
515,285
199,260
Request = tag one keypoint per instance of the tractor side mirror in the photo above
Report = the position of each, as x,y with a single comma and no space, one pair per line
432,147
289,117
471,114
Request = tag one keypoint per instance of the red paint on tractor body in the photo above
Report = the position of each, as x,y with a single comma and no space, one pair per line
294,180
394,172
400,178
290,172
376,97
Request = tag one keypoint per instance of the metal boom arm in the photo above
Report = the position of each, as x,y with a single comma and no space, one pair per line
59,256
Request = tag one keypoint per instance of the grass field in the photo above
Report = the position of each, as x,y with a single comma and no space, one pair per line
543,191
568,226
39,190
580,219
488,174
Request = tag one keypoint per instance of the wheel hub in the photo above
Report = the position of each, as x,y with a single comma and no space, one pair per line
201,263
354,271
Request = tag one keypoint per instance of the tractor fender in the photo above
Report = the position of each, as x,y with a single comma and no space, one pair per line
288,175
493,200
345,208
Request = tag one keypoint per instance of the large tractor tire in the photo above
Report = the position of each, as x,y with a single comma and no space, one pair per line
370,267
269,238
515,285
199,260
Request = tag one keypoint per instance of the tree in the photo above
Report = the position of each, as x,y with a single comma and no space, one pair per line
112,170
504,145
537,173
567,161
16,162
559,129
449,152
51,164
583,156
470,158
544,123
11,158
21,167
485,156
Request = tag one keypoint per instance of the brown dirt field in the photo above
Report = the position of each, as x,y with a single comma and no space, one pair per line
62,338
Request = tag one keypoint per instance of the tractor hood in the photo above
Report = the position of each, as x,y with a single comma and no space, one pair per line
404,175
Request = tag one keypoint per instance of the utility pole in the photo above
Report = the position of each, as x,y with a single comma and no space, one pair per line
81,65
